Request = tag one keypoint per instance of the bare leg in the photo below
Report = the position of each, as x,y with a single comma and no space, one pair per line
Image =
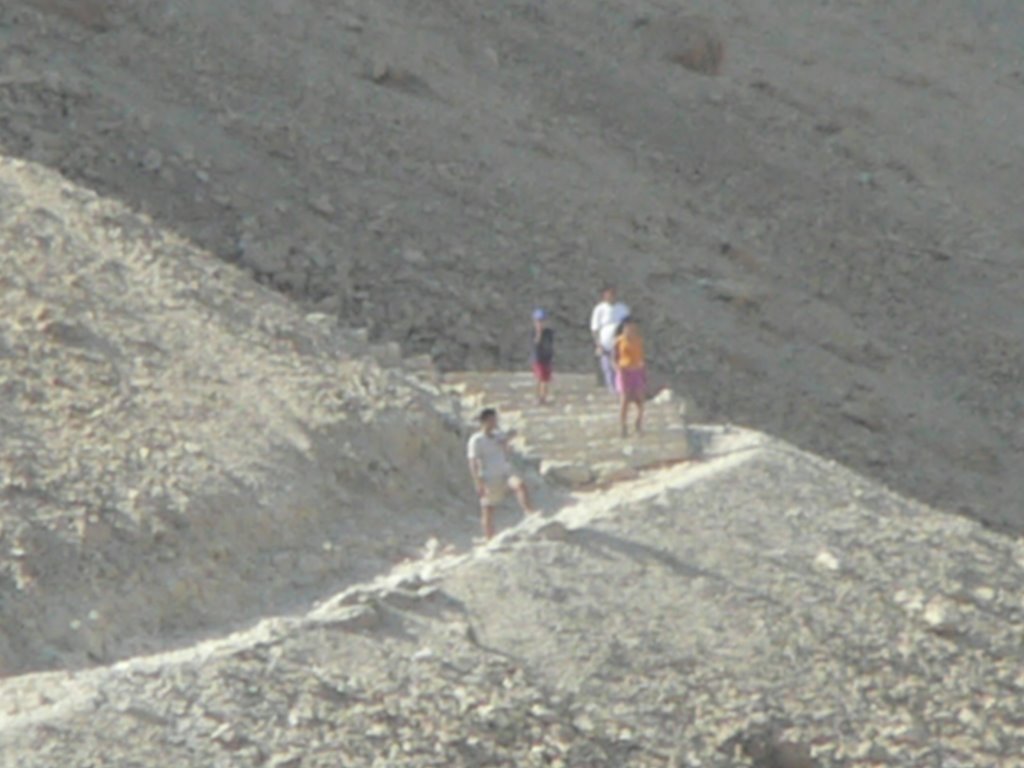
623,413
523,497
639,415
487,521
608,368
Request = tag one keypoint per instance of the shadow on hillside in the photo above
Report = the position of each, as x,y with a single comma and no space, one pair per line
269,537
607,544
611,546
251,571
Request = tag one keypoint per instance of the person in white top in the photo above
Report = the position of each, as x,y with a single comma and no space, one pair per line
604,320
492,472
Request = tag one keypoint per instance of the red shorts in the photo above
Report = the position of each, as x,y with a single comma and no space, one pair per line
542,371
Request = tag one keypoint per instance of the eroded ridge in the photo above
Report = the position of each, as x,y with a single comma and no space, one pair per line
762,604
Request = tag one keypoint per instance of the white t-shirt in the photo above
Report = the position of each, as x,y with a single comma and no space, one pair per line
605,319
490,451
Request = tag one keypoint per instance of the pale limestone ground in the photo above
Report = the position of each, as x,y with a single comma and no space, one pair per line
181,449
760,603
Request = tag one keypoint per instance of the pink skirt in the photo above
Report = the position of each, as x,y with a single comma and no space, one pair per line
632,382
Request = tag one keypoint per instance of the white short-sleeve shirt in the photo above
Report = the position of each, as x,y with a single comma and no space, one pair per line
490,451
605,319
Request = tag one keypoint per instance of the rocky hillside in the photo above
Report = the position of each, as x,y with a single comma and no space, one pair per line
181,449
813,203
764,608
233,533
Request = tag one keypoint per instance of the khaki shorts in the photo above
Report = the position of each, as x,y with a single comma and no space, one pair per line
497,489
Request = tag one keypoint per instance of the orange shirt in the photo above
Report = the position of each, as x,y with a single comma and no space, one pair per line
630,352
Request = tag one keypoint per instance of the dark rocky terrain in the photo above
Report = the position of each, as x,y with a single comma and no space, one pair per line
236,238
814,205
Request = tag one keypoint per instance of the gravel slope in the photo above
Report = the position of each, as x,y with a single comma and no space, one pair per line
823,237
181,449
765,608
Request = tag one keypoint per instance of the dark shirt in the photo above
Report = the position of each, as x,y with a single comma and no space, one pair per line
543,350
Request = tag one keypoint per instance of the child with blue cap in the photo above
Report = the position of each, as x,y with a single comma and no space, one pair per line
542,354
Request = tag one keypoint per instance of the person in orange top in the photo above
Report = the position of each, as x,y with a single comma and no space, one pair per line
631,373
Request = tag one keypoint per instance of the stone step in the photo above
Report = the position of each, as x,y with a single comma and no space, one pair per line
637,457
521,376
596,435
580,427
576,433
582,469
531,411
576,437
562,391
495,385
422,365
610,438
611,441
562,402
526,399
556,416
585,413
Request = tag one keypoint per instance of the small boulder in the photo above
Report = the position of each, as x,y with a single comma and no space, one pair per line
826,561
322,205
552,531
940,616
690,41
414,257
351,618
614,472
663,397
153,160
566,473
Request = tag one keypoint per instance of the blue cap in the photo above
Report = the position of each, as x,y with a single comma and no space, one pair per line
540,314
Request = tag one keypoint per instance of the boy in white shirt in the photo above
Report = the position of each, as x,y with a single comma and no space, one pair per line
492,472
604,320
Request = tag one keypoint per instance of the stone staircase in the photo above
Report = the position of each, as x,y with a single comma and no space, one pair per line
575,440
